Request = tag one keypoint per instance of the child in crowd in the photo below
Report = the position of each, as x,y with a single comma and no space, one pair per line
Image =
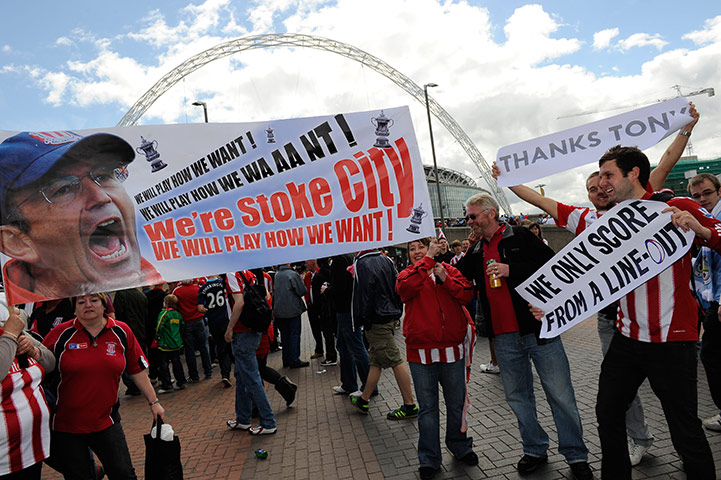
168,334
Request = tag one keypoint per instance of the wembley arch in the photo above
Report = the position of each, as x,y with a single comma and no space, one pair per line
319,43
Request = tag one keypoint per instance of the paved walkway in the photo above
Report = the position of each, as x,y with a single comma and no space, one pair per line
323,436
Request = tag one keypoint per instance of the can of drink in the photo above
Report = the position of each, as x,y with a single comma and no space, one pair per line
493,279
261,454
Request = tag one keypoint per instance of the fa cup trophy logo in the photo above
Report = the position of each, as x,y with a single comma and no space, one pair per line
382,124
151,154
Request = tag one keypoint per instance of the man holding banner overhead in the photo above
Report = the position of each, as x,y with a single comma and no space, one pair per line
576,219
503,258
657,333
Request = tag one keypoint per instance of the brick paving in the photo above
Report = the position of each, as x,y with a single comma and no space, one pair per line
322,435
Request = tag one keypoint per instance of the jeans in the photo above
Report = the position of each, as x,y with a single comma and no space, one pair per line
196,336
636,426
711,353
174,358
222,348
71,452
290,336
249,388
353,354
515,353
671,370
452,378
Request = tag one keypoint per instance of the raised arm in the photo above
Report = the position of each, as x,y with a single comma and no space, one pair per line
528,195
673,153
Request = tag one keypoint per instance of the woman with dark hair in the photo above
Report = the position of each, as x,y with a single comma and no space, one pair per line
439,342
92,351
536,229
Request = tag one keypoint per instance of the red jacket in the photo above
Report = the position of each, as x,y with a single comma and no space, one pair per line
435,314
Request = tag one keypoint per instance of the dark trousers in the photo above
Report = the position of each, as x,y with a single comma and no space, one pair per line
223,349
173,357
671,370
330,327
711,353
268,374
316,328
71,452
33,472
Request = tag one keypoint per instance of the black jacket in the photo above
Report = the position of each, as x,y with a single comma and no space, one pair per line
374,290
524,253
341,283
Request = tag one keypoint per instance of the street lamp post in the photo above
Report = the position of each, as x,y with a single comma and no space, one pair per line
433,151
205,108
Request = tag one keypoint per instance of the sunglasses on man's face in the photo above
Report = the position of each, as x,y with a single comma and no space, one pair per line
473,216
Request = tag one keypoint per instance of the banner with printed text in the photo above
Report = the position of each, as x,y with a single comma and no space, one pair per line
625,248
104,209
643,128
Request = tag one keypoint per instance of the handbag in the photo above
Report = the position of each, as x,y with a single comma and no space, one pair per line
162,457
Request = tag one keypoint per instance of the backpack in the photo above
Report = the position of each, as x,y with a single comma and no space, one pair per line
256,313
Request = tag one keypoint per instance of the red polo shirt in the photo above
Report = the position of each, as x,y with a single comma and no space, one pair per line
90,373
503,317
187,294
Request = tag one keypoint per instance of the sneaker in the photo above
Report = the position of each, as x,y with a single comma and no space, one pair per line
226,382
328,363
581,471
181,387
338,390
426,473
262,430
529,463
635,452
404,411
235,425
357,393
713,423
300,364
360,404
490,368
316,355
162,390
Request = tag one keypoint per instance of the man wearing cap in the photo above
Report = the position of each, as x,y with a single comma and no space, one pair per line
68,225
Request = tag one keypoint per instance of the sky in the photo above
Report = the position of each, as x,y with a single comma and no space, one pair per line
505,69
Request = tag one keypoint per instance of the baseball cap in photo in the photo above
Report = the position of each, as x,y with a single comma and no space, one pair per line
27,156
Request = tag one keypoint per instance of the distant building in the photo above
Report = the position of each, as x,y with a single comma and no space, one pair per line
456,188
686,169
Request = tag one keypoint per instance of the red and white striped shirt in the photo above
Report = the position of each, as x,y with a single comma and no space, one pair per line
437,355
663,309
576,219
24,418
457,258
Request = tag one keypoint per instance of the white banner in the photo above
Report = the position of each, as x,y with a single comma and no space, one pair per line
533,159
105,209
625,248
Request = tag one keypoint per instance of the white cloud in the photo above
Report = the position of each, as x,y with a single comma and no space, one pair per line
710,33
64,42
642,40
602,39
500,91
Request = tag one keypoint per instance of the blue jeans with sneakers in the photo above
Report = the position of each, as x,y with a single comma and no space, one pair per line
248,385
515,353
452,379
